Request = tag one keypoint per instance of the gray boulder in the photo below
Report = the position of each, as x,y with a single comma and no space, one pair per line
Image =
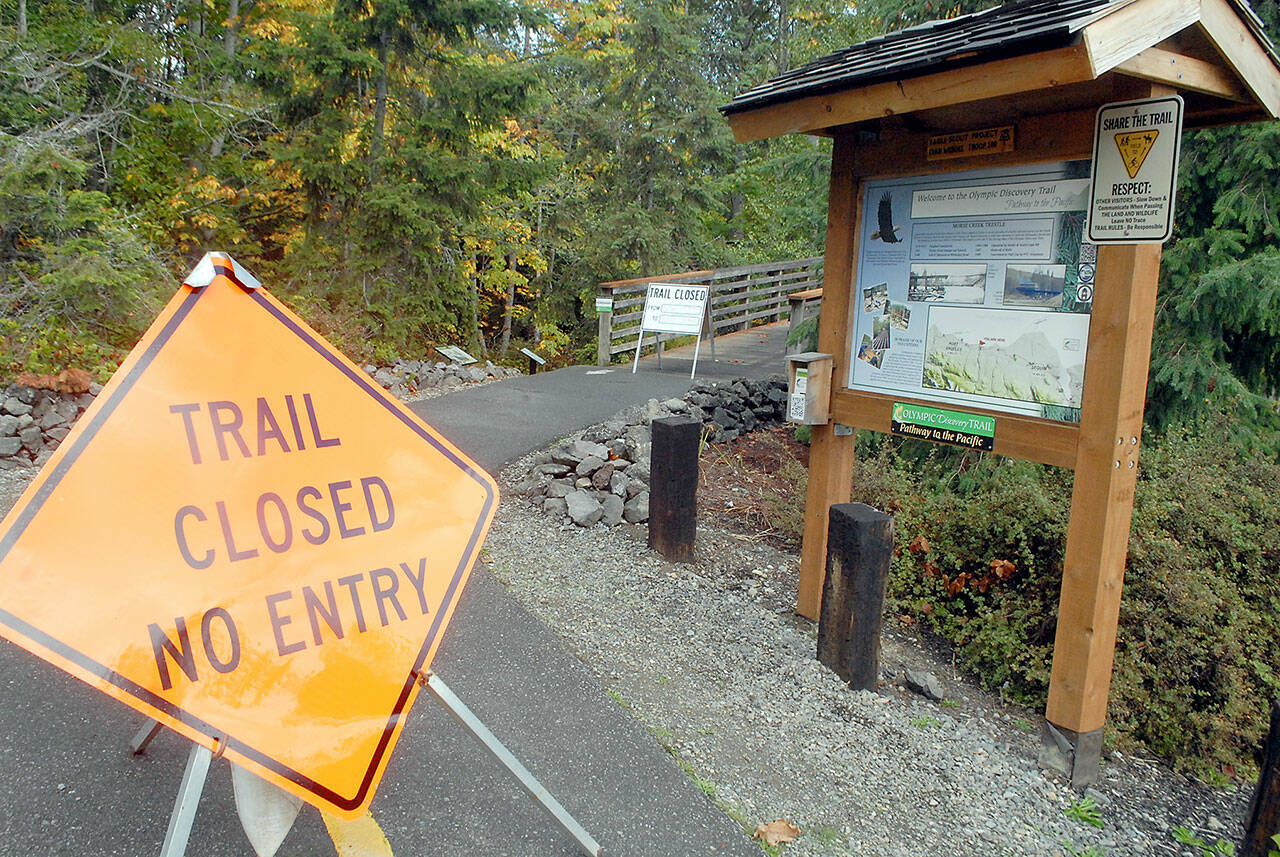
31,438
604,432
924,683
590,465
584,508
636,510
601,479
17,407
611,509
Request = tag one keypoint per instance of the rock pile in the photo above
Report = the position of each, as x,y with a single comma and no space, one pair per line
36,415
601,474
34,421
407,378
738,407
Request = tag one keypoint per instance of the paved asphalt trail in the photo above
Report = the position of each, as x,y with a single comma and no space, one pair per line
71,788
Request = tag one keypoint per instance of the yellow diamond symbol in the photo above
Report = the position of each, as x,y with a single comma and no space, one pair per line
1134,148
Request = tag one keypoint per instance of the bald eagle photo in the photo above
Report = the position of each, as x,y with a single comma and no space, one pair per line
884,219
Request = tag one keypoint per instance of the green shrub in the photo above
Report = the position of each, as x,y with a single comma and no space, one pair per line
1200,615
980,541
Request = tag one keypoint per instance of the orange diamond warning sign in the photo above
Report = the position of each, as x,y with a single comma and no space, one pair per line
248,540
1134,148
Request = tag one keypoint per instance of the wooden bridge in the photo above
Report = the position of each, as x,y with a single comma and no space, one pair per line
741,298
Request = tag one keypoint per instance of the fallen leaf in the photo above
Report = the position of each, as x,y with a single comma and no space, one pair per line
70,381
1002,568
776,832
919,545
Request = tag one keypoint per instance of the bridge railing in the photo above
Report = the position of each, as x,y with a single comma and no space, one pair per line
740,297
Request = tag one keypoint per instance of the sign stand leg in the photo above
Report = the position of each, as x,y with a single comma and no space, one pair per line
711,329
184,806
696,346
639,341
446,697
145,736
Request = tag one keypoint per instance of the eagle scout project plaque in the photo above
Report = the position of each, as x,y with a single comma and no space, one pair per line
246,539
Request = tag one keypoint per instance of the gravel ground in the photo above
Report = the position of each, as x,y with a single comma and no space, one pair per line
711,657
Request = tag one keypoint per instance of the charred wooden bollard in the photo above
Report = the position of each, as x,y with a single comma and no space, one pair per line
859,550
673,487
1264,814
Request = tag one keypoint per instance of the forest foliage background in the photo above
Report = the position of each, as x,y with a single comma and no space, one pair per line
403,172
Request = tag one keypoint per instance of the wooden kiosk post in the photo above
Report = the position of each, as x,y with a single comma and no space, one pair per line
1009,90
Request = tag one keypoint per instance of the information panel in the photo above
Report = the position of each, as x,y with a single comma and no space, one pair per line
974,289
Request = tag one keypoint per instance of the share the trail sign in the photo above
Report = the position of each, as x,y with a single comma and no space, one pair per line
246,539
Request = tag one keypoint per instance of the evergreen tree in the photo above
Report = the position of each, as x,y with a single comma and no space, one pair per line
1216,350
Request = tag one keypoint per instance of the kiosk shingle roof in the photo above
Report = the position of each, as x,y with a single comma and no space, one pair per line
1008,30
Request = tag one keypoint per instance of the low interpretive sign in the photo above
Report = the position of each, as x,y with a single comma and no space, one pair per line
456,354
248,540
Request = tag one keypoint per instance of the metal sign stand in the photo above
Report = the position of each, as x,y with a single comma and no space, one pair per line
446,697
184,805
197,770
711,333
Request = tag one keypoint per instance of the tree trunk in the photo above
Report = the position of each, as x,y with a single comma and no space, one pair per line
737,201
784,30
477,336
379,106
230,40
22,19
508,311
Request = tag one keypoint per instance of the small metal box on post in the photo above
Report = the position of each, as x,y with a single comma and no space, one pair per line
809,388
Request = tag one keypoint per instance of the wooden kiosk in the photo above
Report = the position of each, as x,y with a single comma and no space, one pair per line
1000,101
